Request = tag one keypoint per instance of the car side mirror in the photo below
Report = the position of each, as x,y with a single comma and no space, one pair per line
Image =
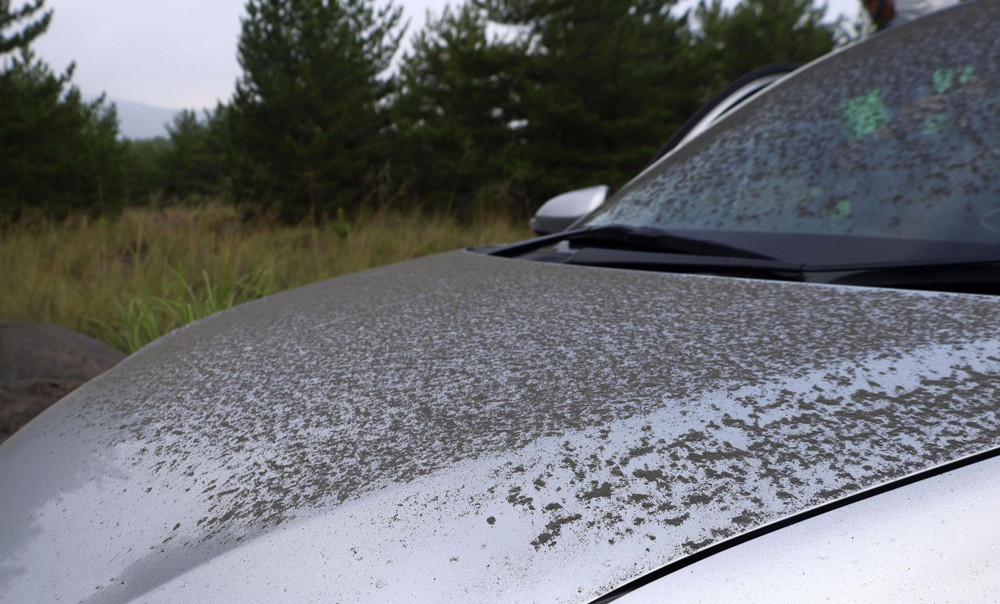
563,210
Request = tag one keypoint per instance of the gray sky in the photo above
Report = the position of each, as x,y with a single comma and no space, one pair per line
176,54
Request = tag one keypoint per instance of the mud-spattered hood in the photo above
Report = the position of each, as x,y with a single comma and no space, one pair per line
477,428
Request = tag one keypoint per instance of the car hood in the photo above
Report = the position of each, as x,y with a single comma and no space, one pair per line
475,428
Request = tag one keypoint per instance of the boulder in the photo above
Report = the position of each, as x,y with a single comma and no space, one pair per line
39,364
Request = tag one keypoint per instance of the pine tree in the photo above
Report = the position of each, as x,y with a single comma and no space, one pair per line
195,163
58,153
755,33
604,84
458,113
21,40
308,117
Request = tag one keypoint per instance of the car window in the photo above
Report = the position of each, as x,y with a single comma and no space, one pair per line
897,137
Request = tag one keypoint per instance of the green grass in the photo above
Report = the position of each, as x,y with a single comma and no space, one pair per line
131,279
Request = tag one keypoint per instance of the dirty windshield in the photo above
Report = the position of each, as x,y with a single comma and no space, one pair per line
896,138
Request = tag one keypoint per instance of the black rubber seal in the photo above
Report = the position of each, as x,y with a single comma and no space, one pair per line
712,104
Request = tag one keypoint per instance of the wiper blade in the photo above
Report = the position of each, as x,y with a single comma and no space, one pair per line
761,268
643,248
980,275
631,238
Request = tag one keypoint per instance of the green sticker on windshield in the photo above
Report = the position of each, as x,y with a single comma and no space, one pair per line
943,79
966,75
864,114
841,210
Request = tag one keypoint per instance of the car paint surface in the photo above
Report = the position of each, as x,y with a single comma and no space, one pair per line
912,544
471,428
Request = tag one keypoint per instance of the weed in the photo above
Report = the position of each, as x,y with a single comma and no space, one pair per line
131,279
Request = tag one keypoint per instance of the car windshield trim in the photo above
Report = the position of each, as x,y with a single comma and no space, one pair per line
633,238
728,100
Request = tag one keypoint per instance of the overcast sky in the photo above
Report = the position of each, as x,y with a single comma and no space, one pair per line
177,53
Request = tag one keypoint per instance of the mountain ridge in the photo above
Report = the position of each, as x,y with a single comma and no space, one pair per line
140,121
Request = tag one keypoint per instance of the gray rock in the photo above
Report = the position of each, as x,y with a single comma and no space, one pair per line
39,364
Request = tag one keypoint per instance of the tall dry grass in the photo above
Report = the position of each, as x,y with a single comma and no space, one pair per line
130,279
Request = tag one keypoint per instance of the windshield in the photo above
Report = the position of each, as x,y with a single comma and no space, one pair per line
897,138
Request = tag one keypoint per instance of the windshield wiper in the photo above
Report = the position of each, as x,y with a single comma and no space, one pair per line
646,248
974,275
619,236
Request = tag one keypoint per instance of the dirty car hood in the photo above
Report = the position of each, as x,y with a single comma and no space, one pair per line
478,428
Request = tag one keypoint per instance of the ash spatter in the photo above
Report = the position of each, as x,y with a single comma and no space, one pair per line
742,458
299,403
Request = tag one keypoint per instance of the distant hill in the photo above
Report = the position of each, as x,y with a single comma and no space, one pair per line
137,120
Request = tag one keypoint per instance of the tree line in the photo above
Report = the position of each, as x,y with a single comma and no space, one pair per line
497,105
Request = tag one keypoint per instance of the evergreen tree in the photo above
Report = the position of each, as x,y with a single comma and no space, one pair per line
458,113
308,116
604,84
146,167
21,40
194,164
755,33
58,153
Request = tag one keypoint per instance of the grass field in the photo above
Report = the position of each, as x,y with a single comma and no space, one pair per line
129,280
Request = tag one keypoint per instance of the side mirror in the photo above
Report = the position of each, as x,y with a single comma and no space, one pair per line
563,210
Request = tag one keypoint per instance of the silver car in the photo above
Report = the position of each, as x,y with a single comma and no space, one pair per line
768,369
